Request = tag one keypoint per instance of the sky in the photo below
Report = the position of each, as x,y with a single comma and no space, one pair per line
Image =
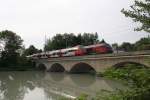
34,20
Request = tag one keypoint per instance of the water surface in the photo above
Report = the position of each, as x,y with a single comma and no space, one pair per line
34,85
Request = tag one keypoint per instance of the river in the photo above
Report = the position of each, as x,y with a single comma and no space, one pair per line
34,85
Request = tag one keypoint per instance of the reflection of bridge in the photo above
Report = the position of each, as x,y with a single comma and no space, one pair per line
73,85
96,63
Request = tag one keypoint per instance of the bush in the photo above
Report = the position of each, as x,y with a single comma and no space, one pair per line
138,79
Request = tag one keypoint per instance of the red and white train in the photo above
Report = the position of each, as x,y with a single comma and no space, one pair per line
79,50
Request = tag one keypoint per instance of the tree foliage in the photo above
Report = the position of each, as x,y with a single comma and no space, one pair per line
140,12
60,41
136,77
11,45
11,41
13,54
31,50
142,44
126,46
23,61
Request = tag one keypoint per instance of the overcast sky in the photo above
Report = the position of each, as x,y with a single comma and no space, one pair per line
33,19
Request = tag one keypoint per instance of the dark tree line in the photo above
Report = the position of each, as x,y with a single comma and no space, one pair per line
12,51
142,44
60,41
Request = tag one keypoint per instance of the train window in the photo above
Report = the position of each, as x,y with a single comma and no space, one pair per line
65,52
58,53
53,54
71,50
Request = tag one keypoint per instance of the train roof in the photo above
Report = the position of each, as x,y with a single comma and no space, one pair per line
54,51
95,45
72,48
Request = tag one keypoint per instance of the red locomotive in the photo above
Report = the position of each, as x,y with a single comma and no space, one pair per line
98,48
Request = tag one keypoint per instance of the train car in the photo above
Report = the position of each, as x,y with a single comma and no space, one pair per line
47,53
74,51
80,51
34,56
42,55
38,55
55,53
100,48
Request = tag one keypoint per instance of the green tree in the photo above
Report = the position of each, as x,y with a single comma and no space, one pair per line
11,43
48,45
79,39
143,44
60,41
126,46
31,50
140,12
70,40
23,61
89,39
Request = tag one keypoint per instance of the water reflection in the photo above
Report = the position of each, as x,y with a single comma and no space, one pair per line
15,85
57,77
49,86
83,81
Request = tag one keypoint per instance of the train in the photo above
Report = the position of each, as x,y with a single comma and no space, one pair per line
79,50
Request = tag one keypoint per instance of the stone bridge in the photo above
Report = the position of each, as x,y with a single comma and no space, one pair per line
93,63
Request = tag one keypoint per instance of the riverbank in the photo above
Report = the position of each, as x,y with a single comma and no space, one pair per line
137,78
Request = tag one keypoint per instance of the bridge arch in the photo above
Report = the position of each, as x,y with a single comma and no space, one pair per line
82,68
129,63
41,66
56,67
